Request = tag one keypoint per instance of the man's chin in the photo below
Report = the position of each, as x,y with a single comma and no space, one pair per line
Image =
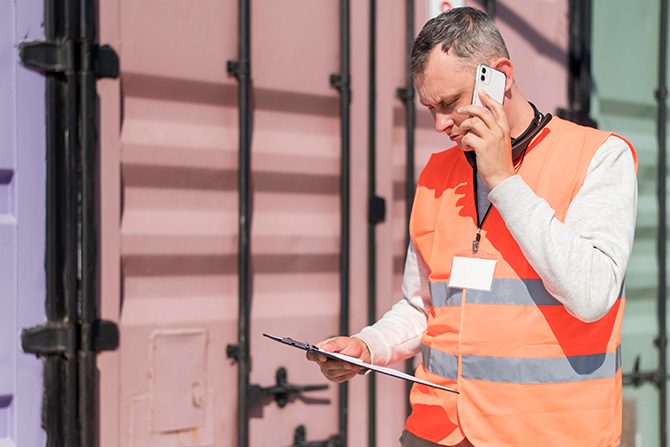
463,147
459,142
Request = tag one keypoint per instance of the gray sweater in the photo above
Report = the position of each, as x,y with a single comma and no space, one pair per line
581,261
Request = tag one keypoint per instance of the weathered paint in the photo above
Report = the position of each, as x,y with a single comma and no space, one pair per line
22,219
169,208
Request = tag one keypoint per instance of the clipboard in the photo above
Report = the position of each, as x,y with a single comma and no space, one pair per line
354,361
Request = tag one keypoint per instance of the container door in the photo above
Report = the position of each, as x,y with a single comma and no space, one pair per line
22,218
168,223
296,214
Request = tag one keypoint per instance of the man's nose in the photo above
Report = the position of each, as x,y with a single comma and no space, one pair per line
443,122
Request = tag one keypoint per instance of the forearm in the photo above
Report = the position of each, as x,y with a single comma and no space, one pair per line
397,335
581,261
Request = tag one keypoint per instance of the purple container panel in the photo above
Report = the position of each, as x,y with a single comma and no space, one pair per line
31,213
8,293
8,88
22,219
174,163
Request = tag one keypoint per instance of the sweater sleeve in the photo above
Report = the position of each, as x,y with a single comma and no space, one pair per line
397,335
581,261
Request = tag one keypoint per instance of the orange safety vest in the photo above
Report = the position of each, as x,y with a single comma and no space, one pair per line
528,372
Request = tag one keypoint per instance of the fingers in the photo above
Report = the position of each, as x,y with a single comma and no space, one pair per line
337,371
342,378
474,125
314,357
484,114
492,115
494,106
496,110
335,344
472,141
334,370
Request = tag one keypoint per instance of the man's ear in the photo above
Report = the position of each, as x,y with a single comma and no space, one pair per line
505,65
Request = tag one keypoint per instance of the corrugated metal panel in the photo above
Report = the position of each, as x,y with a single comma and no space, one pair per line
22,229
169,214
296,211
177,201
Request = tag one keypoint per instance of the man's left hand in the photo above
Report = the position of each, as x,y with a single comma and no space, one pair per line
488,134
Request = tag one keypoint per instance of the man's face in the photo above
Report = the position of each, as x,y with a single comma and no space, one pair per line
445,85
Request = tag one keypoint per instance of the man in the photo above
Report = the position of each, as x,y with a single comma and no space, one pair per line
551,205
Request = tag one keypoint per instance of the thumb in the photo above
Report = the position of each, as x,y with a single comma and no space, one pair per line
335,344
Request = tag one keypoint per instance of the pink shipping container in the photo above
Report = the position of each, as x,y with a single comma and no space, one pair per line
169,206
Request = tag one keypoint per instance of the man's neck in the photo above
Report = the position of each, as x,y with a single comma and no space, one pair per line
519,113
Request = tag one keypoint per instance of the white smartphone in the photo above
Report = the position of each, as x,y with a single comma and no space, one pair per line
490,80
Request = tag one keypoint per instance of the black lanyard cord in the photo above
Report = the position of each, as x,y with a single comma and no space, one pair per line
521,143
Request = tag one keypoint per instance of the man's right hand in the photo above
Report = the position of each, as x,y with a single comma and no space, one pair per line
336,370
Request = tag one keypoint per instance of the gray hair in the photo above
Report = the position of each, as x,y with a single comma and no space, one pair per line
466,32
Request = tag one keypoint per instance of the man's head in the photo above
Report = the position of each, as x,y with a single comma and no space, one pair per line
466,33
444,59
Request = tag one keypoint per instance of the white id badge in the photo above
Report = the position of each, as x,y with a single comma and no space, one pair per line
472,273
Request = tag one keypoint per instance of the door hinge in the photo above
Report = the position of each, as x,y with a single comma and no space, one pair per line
405,94
52,338
233,352
238,69
105,336
63,57
50,57
105,62
376,210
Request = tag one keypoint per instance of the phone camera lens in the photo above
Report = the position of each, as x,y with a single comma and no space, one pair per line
483,70
483,78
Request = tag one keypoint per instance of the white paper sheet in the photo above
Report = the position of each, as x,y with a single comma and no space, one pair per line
354,361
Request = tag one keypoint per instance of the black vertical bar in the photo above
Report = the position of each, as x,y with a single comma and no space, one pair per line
345,106
584,96
372,220
491,8
71,227
89,240
579,63
661,96
53,410
244,228
574,55
410,125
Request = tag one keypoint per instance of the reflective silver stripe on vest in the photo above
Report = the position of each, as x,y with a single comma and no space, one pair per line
524,370
520,292
443,364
